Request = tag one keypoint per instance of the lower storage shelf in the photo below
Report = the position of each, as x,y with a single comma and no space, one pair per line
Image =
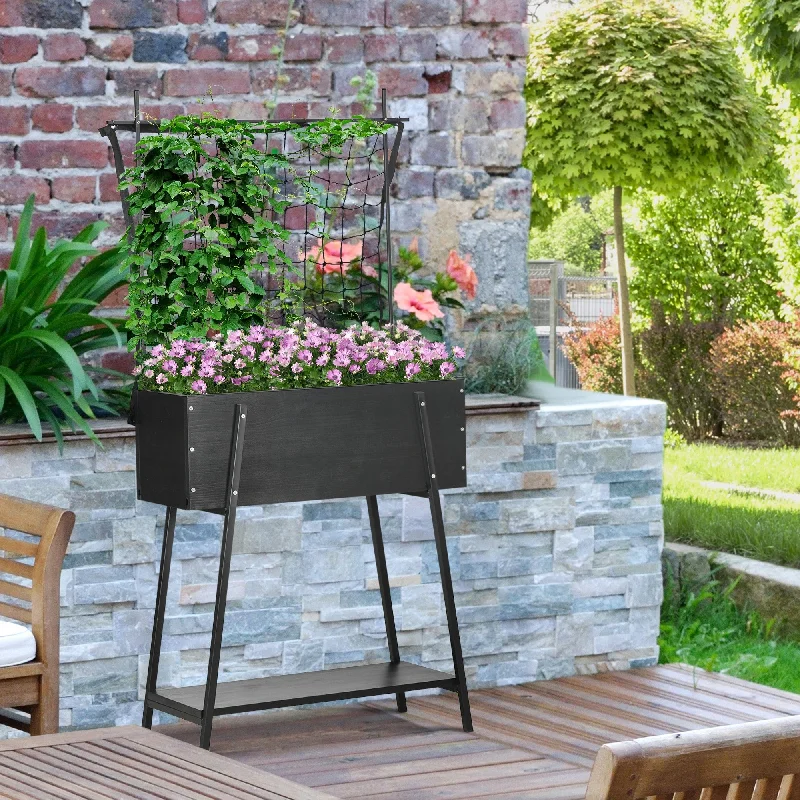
308,687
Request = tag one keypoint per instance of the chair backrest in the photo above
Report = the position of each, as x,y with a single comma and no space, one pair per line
33,541
751,761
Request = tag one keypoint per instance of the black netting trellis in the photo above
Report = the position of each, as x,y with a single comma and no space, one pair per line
329,207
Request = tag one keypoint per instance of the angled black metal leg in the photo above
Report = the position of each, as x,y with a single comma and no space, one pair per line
444,562
158,615
226,548
383,584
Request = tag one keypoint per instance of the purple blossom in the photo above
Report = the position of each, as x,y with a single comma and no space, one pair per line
458,352
158,351
306,355
187,370
240,363
322,360
206,371
412,370
297,368
341,360
446,367
227,358
334,375
170,366
375,365
199,386
248,351
148,373
161,378
218,379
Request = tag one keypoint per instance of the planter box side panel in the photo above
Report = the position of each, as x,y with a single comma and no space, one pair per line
316,444
161,449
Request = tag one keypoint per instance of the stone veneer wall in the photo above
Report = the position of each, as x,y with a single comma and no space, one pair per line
554,547
454,67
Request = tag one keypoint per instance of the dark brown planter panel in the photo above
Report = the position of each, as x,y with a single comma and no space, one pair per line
299,444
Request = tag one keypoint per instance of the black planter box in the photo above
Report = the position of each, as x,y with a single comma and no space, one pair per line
299,444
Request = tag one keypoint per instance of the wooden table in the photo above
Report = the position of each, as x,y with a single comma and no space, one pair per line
131,763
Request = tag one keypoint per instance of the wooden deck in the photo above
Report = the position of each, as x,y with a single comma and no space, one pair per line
536,741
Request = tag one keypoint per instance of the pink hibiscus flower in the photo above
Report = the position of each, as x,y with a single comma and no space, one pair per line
461,271
421,304
335,256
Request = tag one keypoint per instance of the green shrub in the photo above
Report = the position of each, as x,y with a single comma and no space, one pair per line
42,338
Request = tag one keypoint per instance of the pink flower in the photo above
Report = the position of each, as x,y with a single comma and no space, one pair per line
170,366
335,256
334,375
158,351
461,271
446,368
369,271
297,368
206,371
161,378
306,355
458,352
199,386
187,370
248,351
240,363
323,360
148,373
412,370
218,379
375,365
421,304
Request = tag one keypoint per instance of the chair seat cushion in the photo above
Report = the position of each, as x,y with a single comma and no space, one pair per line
17,644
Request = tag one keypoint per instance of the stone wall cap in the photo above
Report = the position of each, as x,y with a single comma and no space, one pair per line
559,398
109,428
499,403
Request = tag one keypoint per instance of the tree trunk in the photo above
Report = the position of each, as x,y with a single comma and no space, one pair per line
626,336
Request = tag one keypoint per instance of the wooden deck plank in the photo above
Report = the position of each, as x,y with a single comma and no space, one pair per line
531,742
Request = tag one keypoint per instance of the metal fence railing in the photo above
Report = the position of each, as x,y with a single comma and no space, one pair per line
560,303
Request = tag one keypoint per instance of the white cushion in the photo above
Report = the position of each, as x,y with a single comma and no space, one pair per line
17,644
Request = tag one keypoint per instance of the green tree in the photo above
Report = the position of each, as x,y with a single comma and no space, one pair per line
635,94
771,31
705,255
576,236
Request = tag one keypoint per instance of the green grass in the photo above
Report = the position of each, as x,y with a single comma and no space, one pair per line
734,522
707,630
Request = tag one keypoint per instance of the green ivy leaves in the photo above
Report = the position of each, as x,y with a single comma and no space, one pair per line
208,197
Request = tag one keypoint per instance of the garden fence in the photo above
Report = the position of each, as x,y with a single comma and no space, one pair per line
560,303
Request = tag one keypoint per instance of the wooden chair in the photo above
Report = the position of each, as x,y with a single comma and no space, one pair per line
751,761
30,593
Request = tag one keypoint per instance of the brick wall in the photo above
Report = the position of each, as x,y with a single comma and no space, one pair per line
455,67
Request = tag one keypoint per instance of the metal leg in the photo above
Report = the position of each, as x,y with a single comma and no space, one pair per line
234,472
444,562
158,614
383,583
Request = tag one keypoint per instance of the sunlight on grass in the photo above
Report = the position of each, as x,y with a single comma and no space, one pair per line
765,528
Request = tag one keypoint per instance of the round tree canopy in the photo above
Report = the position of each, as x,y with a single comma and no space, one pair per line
772,31
638,94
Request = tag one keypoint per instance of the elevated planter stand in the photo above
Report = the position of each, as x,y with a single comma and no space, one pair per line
216,452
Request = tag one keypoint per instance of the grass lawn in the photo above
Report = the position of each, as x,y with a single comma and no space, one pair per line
735,522
708,631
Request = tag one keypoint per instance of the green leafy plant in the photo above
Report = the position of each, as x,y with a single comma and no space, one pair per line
208,197
44,331
635,94
771,30
705,254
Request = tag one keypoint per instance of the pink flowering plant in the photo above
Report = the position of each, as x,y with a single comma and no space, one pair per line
304,355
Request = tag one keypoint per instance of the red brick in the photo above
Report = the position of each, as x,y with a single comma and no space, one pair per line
403,81
16,49
74,189
120,360
92,118
261,12
510,41
59,224
5,256
417,46
495,11
345,49
205,106
191,12
438,79
260,47
3,228
303,47
38,154
14,120
52,117
423,13
291,111
109,187
41,13
7,154
381,47
208,46
111,48
5,83
196,82
15,189
507,114
316,78
132,13
60,81
64,47
145,80
117,299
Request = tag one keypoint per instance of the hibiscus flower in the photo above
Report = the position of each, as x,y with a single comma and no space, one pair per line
461,271
421,304
334,256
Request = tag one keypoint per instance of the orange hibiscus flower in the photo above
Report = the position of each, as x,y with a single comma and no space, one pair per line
461,271
421,304
335,256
